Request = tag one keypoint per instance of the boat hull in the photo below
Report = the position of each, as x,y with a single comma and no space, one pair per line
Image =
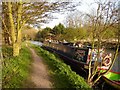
68,54
75,64
112,79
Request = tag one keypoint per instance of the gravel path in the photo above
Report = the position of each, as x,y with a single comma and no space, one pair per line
39,74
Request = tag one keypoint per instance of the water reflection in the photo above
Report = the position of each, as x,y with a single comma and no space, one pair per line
37,43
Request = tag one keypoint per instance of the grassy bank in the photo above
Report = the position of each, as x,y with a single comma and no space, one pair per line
61,74
15,69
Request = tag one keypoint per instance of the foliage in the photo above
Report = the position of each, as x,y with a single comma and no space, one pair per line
63,76
48,33
74,34
59,32
45,32
42,35
16,14
69,34
40,12
110,33
38,36
15,69
59,29
28,33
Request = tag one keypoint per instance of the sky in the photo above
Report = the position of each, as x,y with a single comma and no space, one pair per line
85,7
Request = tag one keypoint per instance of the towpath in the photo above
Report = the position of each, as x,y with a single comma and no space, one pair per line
39,77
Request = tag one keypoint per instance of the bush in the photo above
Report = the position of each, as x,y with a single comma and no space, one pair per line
63,76
15,69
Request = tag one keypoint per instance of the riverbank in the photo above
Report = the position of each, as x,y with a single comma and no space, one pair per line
15,70
62,75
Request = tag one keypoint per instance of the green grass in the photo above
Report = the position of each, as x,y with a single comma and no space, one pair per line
15,70
7,51
61,74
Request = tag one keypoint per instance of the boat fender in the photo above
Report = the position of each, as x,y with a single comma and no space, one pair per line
107,60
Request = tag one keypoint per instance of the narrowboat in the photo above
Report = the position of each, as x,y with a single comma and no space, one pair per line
113,79
80,57
77,56
113,76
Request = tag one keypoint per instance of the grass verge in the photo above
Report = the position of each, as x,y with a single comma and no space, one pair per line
62,75
15,70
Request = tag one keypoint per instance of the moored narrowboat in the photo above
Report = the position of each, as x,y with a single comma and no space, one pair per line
113,79
78,56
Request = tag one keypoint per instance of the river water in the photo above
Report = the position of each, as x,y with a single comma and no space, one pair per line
37,43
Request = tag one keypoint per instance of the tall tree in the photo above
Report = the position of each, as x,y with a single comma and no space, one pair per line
45,33
58,31
74,34
74,23
15,34
74,20
20,13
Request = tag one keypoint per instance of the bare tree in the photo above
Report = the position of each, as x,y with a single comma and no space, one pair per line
74,20
104,18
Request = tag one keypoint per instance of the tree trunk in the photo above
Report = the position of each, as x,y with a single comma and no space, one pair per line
12,26
16,49
16,36
19,15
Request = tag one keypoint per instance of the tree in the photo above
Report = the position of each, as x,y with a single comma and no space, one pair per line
74,20
20,13
28,33
44,34
16,37
69,34
58,31
75,30
74,34
110,33
104,18
5,25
